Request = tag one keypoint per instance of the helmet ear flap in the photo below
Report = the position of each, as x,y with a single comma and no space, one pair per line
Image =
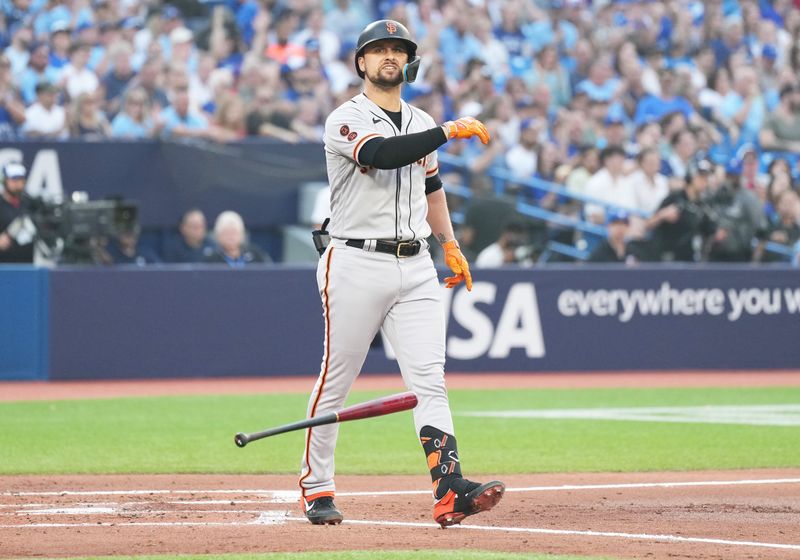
358,68
411,69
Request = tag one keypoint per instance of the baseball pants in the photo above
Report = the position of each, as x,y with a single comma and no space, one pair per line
361,292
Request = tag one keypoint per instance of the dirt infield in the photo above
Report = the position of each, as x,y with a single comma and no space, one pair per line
711,515
728,515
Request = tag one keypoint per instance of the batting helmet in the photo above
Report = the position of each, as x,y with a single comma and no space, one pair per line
389,29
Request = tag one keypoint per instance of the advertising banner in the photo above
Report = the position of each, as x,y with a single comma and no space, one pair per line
176,322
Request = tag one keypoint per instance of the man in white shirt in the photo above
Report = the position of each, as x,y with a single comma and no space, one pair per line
609,185
77,78
45,118
521,159
649,186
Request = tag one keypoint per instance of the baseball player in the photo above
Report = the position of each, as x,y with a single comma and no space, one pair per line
386,200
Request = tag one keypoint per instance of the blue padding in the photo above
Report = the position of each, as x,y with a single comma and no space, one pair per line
23,322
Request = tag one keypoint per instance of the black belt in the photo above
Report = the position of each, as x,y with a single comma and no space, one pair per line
396,248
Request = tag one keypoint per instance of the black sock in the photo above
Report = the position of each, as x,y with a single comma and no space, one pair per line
441,450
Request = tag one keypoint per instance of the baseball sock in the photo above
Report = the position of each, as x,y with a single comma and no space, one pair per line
441,450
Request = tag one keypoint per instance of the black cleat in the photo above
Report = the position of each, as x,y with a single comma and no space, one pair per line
323,512
474,498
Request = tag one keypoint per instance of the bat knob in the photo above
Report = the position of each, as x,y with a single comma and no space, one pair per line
241,439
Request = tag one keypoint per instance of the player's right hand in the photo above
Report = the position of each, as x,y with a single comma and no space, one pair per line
466,127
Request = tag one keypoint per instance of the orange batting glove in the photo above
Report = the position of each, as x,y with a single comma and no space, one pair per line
466,127
455,259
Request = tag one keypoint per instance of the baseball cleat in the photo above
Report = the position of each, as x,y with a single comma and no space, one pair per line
322,511
453,508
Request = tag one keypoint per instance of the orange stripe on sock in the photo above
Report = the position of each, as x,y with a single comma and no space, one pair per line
324,369
433,459
313,497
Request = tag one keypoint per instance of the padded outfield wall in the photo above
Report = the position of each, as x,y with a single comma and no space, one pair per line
179,321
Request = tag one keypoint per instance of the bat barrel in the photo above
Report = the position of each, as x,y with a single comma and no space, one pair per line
379,407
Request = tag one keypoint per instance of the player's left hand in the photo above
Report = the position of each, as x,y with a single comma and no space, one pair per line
466,127
455,259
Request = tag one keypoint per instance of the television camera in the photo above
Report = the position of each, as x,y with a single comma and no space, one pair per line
75,231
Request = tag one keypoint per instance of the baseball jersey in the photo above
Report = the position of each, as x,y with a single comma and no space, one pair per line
369,203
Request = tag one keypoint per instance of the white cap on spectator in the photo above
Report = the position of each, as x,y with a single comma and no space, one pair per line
180,35
59,26
14,171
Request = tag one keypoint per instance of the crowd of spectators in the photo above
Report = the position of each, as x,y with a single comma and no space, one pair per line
620,101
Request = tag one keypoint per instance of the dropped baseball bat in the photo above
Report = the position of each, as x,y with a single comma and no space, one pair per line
369,409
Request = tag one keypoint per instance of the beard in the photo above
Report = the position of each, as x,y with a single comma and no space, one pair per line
383,82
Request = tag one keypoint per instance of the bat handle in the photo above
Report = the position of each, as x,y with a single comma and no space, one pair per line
241,439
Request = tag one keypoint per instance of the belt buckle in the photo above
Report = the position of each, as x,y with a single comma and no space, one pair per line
399,245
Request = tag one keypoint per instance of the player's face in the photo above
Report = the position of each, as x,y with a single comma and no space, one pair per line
383,62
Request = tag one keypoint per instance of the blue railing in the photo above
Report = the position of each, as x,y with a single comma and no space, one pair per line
502,177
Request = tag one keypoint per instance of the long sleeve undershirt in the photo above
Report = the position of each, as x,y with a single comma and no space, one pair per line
399,151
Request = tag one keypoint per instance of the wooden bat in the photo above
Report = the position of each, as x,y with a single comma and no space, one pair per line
369,409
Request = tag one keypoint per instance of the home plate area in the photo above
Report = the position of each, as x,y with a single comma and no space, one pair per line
698,515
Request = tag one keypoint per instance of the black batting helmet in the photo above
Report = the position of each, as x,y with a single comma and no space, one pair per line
388,29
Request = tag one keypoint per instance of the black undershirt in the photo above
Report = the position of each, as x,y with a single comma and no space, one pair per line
399,151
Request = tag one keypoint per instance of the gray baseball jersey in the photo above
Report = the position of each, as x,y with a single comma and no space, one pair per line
363,291
360,208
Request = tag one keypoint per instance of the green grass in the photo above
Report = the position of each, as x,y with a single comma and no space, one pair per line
359,555
195,435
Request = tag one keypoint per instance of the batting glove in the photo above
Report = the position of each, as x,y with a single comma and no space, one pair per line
455,259
466,127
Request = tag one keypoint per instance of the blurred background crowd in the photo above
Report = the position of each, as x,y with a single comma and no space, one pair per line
674,126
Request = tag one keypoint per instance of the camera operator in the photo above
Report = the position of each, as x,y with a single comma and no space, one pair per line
684,220
740,218
16,231
510,248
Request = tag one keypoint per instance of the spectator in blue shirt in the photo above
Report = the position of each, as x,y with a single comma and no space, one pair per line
117,80
654,107
520,51
732,40
12,111
193,244
745,105
59,44
57,12
133,121
601,85
180,120
459,44
38,70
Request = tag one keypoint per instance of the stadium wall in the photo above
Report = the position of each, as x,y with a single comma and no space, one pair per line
173,321
258,179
